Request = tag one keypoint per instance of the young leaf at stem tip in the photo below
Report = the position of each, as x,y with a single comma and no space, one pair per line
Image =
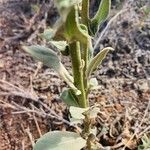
100,16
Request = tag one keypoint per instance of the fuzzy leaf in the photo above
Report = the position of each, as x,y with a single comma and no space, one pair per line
61,4
100,16
74,30
57,33
45,55
77,113
145,143
50,59
93,112
69,98
97,60
64,7
93,82
62,46
48,34
85,12
60,140
74,121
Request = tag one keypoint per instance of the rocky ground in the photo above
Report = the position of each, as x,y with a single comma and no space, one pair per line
29,92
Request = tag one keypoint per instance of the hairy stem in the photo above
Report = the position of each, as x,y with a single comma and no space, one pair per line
80,55
86,130
77,66
85,12
84,56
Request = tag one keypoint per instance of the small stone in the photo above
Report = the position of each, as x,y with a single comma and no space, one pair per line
143,86
1,64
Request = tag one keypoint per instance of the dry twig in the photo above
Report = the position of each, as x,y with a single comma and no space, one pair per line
30,136
138,128
13,90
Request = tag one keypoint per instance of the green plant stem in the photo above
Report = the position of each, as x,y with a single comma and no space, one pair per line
87,120
85,12
78,72
80,58
87,54
80,81
85,58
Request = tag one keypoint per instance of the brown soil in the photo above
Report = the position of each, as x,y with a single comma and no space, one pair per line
29,92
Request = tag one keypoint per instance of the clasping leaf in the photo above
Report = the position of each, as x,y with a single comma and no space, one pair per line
62,46
77,112
69,98
73,29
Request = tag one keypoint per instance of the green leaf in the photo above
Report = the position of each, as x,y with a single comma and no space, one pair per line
145,143
146,10
64,7
45,55
68,29
60,140
62,46
93,82
57,33
74,121
50,59
100,16
94,111
97,60
73,29
85,12
69,98
77,113
48,34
